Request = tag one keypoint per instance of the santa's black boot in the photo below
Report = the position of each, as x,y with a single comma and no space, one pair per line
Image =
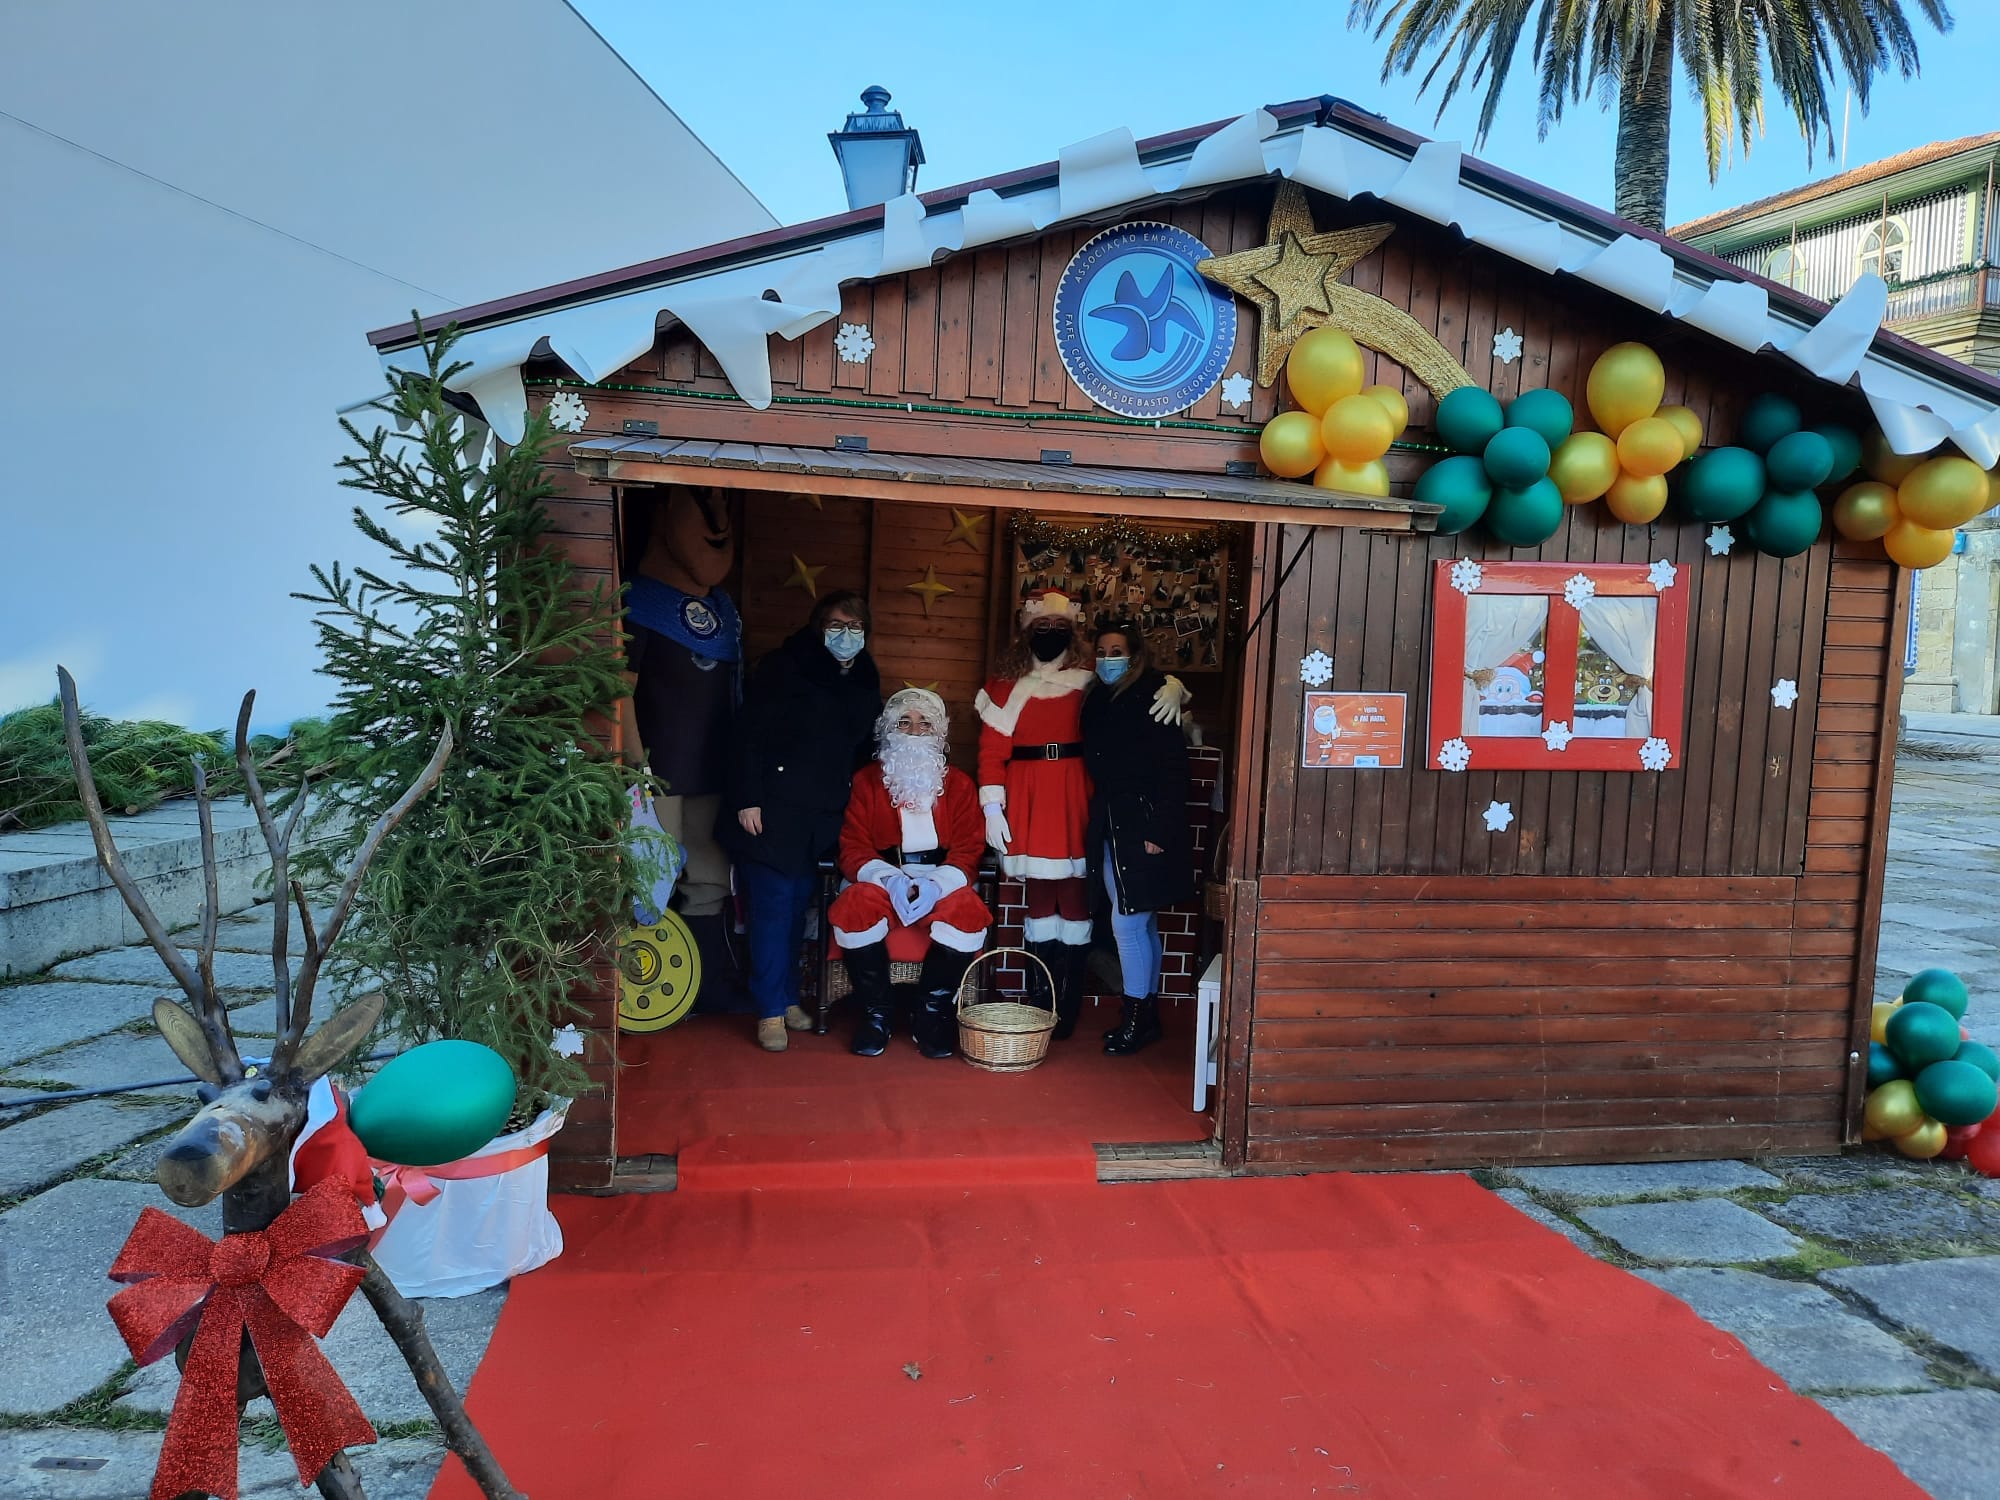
868,973
1069,971
936,1024
1140,1027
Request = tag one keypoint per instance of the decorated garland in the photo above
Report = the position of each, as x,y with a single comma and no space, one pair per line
1031,530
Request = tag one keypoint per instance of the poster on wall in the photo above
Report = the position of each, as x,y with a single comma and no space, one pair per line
1172,586
1354,731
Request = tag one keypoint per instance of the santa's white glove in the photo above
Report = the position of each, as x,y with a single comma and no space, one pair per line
924,897
1168,702
998,834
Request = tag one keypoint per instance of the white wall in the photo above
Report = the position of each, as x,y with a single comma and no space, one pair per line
203,209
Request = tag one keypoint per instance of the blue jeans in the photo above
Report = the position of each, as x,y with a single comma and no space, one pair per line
1138,937
777,905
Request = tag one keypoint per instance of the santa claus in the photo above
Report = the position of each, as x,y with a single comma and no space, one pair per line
910,845
1033,789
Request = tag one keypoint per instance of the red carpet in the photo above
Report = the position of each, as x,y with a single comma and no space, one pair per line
1375,1336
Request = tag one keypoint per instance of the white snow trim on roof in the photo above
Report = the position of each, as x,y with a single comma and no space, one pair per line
735,310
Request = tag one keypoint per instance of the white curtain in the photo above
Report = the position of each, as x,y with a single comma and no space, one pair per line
1625,628
1496,626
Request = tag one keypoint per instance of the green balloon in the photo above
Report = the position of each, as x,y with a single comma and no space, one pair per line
1467,418
1956,1093
1723,484
1882,1066
1981,1057
1544,412
1766,419
1799,461
1846,445
1784,524
1922,1034
1460,485
1516,458
434,1103
1525,517
1939,987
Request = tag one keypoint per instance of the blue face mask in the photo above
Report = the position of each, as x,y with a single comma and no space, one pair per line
1111,668
845,641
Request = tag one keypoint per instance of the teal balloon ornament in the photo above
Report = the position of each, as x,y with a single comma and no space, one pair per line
1545,413
1981,1057
1460,485
1845,445
433,1104
1882,1066
1799,461
1723,485
1516,457
1784,524
1920,1034
1939,987
1467,419
1768,418
1526,517
1956,1093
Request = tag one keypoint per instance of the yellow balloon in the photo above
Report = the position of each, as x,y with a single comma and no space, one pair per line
1865,511
1878,1020
1916,546
1370,478
1393,403
1651,445
1356,429
1584,467
1687,424
1323,367
1625,385
1924,1142
1943,492
1893,1108
1882,462
1290,445
1637,499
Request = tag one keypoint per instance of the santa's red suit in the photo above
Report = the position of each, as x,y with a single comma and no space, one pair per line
881,842
1031,767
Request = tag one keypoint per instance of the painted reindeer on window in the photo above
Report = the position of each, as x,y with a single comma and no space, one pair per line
238,1146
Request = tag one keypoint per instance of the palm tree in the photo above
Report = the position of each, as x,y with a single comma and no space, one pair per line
1627,48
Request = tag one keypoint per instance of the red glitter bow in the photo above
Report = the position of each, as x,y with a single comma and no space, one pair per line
280,1285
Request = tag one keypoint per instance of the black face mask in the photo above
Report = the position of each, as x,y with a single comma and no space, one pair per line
1049,644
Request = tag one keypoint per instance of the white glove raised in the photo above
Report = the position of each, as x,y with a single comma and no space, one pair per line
998,834
1168,702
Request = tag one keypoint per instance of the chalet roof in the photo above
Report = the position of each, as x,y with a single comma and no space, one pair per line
1827,187
735,295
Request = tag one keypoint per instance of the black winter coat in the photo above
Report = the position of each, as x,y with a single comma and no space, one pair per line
802,733
1139,790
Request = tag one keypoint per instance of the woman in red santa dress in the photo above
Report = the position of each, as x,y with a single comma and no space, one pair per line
910,845
1033,789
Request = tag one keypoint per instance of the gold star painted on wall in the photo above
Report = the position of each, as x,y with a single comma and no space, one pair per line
965,528
804,576
1293,280
929,589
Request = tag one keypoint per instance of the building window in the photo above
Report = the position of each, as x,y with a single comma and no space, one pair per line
1786,266
1533,671
1882,250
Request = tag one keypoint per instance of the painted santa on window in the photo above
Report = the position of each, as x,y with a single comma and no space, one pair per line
910,845
1033,789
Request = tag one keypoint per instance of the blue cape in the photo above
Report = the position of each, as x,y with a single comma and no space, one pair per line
707,626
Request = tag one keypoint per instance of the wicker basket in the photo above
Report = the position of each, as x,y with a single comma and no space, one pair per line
1004,1036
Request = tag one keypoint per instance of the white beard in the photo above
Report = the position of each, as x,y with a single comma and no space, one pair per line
913,769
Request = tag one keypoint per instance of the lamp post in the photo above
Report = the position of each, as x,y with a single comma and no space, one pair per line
878,156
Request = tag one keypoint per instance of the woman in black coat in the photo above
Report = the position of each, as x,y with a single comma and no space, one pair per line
1138,832
801,734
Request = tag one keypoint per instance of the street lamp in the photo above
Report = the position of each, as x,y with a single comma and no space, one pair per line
878,157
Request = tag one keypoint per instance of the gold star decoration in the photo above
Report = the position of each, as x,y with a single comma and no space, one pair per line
965,528
927,687
929,589
1293,279
804,576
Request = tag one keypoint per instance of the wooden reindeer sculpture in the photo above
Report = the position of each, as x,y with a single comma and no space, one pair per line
238,1146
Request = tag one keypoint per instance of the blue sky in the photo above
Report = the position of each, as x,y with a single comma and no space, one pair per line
998,87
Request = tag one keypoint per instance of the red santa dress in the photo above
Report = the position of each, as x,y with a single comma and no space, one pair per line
1031,765
942,842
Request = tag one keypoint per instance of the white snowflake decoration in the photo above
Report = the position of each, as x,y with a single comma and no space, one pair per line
1466,575
1316,670
567,413
1557,736
854,343
1498,816
567,1042
1506,346
1784,693
1720,540
1579,591
1236,390
1661,575
1655,754
1454,754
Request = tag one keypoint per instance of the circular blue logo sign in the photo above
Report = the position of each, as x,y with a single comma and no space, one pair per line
1140,331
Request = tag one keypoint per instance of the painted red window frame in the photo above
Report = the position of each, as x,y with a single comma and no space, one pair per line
1560,645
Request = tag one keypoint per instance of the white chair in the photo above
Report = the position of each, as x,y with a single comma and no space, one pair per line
1207,1030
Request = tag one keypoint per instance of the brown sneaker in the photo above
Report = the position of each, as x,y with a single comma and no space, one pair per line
796,1019
771,1034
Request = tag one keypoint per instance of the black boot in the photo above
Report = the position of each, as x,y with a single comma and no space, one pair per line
868,973
936,1025
1139,1027
1069,970
1051,955
1125,1004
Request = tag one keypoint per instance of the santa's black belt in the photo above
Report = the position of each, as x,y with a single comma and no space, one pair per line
914,857
1048,752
